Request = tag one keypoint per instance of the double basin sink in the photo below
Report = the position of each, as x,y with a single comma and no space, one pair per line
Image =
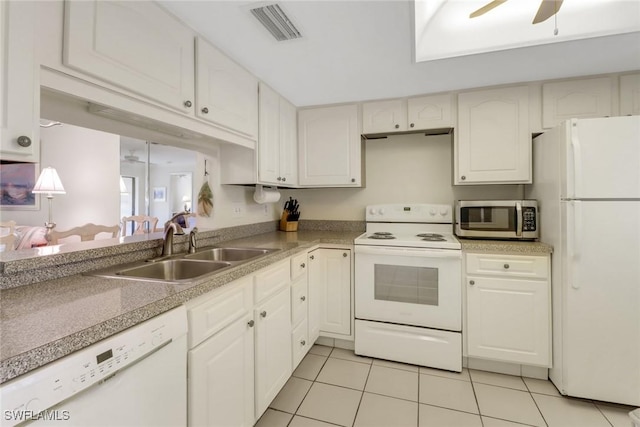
186,268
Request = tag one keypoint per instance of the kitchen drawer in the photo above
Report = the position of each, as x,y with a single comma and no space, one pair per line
210,313
299,343
299,303
270,280
508,265
298,265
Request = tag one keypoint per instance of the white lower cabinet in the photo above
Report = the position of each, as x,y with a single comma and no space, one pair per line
508,309
330,283
272,348
220,360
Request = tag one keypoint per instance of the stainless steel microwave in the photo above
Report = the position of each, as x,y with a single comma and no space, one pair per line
497,219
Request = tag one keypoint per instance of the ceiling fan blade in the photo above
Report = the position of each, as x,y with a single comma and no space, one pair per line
486,8
547,9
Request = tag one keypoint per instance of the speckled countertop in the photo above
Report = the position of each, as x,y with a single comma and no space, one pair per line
44,321
506,246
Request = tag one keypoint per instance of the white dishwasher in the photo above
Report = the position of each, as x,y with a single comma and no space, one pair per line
135,378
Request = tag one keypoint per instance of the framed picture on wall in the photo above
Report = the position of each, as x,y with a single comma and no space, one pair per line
159,194
17,179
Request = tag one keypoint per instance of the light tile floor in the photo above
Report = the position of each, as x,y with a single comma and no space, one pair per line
333,386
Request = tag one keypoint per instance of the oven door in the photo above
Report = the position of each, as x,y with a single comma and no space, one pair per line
409,286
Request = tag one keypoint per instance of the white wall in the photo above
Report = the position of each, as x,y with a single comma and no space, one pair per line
87,162
400,169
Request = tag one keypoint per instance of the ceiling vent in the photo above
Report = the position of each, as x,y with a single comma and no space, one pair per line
276,21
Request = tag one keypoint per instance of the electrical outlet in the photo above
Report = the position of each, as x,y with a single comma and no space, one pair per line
265,210
238,210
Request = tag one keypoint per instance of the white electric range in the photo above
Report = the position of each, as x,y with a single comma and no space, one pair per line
408,288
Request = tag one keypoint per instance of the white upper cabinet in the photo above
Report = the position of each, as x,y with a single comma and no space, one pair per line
277,144
19,87
630,95
401,115
226,94
135,45
493,139
330,147
582,98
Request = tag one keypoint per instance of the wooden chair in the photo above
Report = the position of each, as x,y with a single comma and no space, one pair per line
142,224
86,232
7,236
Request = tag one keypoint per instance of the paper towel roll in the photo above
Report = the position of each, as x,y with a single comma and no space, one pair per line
265,195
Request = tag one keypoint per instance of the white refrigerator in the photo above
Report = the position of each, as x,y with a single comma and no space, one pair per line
587,183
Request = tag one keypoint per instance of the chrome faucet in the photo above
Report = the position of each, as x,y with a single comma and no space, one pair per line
192,240
171,228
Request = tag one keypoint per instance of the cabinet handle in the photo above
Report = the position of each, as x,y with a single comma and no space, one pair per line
344,254
506,266
472,282
24,141
263,314
284,179
250,323
463,177
303,343
303,265
312,257
303,298
205,110
397,126
353,180
279,179
412,125
187,104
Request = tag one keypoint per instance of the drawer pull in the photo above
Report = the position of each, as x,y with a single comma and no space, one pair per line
250,323
506,266
344,255
263,314
303,298
303,265
472,282
303,343
312,257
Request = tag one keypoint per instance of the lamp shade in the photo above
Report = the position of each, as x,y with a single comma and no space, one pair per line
48,182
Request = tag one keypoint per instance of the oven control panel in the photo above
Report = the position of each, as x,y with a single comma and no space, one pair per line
416,212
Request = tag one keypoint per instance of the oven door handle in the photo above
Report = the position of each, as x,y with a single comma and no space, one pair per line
400,251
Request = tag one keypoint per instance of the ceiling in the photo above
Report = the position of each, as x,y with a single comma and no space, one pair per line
364,49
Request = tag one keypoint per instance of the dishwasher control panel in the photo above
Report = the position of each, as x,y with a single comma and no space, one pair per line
27,396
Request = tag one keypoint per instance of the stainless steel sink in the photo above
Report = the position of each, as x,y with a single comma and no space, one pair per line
184,268
173,270
229,254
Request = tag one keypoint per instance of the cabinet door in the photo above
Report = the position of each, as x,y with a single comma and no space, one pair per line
220,372
330,276
269,139
509,320
384,116
19,85
273,348
429,112
226,93
135,45
630,95
575,99
329,143
493,143
288,143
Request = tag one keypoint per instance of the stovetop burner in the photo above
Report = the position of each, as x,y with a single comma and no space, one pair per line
430,235
382,233
385,236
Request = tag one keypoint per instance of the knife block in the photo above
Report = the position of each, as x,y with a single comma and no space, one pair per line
287,225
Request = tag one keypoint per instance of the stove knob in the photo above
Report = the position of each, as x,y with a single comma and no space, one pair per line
381,211
432,211
372,211
444,211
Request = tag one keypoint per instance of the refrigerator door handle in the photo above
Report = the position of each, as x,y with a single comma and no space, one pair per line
576,240
577,161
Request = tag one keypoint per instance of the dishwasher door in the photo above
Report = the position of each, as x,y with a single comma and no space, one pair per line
135,378
151,392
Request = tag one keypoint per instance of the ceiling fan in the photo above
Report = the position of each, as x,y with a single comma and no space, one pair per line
132,158
547,9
